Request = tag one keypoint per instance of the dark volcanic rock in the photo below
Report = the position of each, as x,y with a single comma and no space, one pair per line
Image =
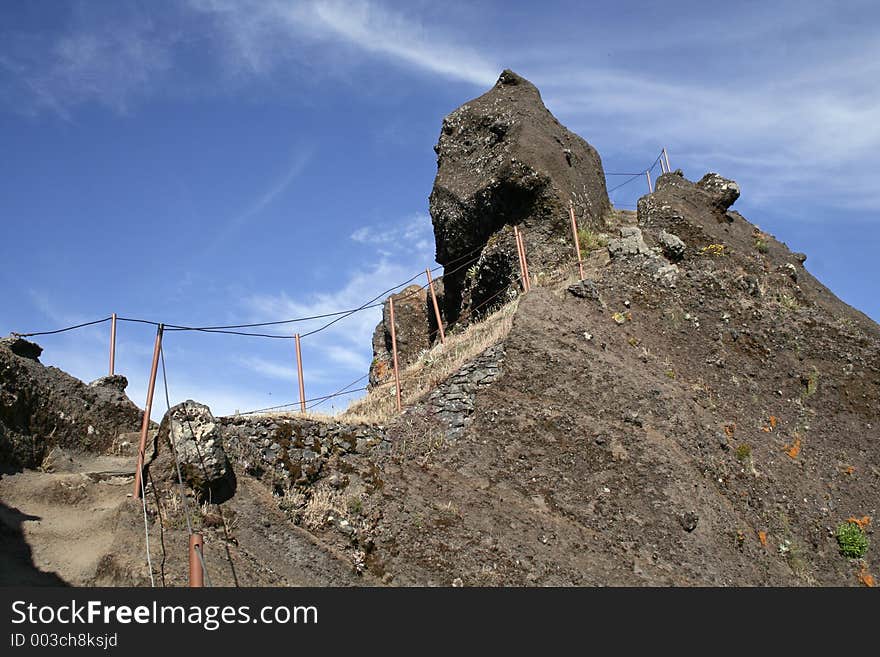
115,382
413,330
503,159
21,347
687,209
190,427
42,407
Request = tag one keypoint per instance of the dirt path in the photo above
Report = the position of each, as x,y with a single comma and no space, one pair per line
79,525
63,522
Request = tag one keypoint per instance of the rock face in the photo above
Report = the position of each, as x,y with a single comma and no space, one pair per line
413,328
21,347
503,160
42,407
199,444
676,201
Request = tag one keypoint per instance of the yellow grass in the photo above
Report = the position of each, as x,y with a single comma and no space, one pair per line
421,377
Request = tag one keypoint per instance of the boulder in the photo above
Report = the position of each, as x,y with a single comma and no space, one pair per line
115,382
189,428
686,209
672,246
630,243
502,160
413,327
722,191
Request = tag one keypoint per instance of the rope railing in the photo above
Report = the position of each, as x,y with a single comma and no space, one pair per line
229,329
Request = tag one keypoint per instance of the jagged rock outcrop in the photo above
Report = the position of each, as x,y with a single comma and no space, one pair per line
42,407
191,429
413,329
503,159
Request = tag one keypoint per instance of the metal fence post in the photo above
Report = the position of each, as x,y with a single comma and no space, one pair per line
648,176
666,157
522,246
577,243
196,573
145,424
519,253
394,355
299,374
112,344
436,307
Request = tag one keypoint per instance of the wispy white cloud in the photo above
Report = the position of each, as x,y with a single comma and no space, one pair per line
810,134
416,232
266,33
276,189
336,355
114,65
267,368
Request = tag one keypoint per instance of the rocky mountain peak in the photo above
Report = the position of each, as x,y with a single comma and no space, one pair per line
504,160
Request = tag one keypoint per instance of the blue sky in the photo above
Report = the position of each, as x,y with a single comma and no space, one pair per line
213,161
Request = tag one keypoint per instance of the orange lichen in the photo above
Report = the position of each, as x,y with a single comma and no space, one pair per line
729,429
862,522
772,421
795,448
849,470
762,536
866,578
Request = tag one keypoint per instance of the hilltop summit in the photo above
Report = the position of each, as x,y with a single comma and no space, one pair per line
503,160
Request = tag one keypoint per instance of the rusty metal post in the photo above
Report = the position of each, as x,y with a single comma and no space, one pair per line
436,307
299,374
196,573
394,355
577,242
112,344
666,157
648,176
519,253
148,409
522,246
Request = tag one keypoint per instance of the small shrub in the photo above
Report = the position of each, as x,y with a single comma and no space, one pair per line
590,241
743,452
761,246
789,302
852,540
811,384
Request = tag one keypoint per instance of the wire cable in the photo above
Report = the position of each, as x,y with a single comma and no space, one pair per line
173,443
63,330
147,533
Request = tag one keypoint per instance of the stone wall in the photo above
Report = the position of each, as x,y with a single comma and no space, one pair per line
285,450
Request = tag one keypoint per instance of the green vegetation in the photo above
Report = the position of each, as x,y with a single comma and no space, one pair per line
852,540
811,384
761,246
743,452
789,302
590,241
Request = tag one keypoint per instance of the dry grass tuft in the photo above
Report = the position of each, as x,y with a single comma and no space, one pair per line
435,365
323,504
